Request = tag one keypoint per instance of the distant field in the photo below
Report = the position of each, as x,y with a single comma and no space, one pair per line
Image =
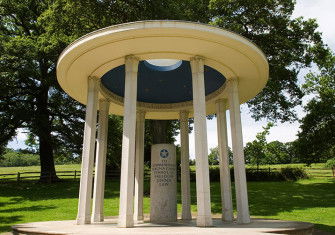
15,170
314,170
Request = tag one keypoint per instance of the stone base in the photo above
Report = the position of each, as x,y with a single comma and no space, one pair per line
109,226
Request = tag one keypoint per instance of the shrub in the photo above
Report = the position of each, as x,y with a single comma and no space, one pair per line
262,174
290,173
331,164
19,159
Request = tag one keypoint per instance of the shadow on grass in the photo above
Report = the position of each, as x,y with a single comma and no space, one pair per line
32,191
271,198
28,208
8,220
324,227
265,198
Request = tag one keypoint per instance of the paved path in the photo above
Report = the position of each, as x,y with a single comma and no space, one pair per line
257,226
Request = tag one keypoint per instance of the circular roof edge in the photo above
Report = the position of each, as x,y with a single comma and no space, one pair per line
233,55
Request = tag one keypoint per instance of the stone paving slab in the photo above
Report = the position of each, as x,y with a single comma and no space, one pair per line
109,226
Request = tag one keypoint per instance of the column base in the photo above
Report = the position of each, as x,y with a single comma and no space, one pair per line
245,220
204,221
97,218
227,215
186,216
126,222
82,220
139,218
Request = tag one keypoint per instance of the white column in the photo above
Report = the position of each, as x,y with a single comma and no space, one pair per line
100,163
225,184
185,168
238,154
85,190
126,209
139,166
200,135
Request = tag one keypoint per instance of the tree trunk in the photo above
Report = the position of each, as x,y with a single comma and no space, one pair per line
160,131
43,128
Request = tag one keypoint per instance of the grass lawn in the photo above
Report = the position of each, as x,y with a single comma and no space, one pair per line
10,170
311,200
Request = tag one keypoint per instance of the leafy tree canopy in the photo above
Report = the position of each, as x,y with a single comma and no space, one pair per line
285,41
316,142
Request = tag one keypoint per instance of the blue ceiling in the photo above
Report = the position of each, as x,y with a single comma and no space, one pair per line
162,84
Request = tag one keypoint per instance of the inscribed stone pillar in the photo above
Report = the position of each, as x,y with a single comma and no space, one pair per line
163,184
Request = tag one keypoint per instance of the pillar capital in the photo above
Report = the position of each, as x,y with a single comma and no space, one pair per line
197,58
131,63
141,114
233,83
94,78
197,64
183,115
103,100
221,104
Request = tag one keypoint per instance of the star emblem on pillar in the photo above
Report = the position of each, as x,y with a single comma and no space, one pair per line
164,153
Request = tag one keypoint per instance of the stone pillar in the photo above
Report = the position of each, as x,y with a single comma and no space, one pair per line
239,165
185,168
225,184
100,163
204,218
139,166
126,209
163,184
85,190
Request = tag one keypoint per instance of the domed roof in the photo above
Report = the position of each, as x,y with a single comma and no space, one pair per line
163,89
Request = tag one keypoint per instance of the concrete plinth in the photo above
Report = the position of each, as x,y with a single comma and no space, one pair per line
109,226
163,184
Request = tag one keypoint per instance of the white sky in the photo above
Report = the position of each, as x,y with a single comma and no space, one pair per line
324,12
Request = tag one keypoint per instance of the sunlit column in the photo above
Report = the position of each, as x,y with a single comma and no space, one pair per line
100,163
238,154
85,190
126,209
200,136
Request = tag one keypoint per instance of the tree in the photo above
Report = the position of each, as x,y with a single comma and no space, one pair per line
316,142
29,94
255,151
286,43
213,157
277,152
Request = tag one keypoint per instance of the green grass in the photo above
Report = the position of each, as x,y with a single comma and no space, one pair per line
310,200
22,169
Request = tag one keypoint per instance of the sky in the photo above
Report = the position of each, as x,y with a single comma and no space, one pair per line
323,11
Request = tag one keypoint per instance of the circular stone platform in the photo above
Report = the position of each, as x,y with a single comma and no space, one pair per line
257,226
